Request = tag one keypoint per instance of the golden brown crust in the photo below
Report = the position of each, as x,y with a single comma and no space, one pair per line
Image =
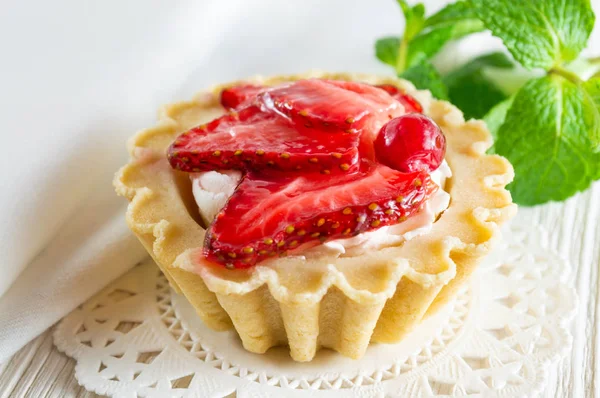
340,303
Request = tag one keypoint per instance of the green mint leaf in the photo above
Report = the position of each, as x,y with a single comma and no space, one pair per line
496,59
573,21
419,10
425,77
471,90
416,23
453,12
539,34
427,44
545,137
474,94
496,116
386,50
450,23
406,8
414,18
592,88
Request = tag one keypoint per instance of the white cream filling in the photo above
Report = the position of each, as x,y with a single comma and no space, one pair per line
211,190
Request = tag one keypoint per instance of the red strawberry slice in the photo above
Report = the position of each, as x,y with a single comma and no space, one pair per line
273,213
292,127
332,105
252,140
411,105
234,97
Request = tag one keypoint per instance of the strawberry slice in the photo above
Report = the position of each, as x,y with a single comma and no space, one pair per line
273,213
236,96
253,140
312,125
332,105
411,105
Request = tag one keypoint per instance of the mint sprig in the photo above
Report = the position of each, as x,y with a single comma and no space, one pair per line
423,38
549,128
552,129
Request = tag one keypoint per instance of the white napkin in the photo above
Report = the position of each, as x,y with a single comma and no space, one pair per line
78,78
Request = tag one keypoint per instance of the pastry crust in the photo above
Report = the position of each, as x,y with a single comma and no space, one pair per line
341,303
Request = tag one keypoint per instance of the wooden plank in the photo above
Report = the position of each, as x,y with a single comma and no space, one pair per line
575,232
39,370
23,366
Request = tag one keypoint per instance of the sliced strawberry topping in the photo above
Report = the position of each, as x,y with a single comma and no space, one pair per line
411,105
315,166
252,140
235,96
331,105
312,125
272,213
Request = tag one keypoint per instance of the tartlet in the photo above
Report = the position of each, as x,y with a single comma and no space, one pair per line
342,303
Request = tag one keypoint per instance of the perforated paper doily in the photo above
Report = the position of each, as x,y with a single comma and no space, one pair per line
497,338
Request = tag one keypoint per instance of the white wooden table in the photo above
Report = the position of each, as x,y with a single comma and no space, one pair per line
40,370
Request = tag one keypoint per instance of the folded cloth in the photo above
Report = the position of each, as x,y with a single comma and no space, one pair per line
92,248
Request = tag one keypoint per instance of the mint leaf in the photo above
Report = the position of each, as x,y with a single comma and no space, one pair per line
386,50
450,23
539,34
495,117
415,24
573,21
496,59
419,10
425,77
418,45
406,8
471,90
453,12
427,44
545,137
592,88
474,94
414,18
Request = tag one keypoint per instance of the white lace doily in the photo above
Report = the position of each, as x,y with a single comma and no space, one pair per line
497,338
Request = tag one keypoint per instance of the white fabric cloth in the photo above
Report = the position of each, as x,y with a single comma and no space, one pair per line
79,77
